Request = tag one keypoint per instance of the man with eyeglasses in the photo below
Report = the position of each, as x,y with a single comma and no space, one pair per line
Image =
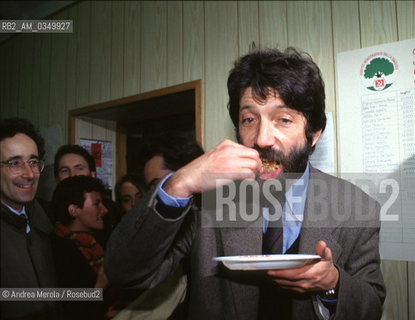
26,258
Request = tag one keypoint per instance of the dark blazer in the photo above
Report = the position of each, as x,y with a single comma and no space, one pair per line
73,271
26,262
146,247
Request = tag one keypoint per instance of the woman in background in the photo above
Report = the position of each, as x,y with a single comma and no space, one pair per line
128,190
77,205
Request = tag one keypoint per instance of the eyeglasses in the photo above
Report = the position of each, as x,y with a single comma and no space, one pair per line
17,166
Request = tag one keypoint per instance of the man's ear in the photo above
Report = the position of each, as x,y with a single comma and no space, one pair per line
316,136
93,174
73,210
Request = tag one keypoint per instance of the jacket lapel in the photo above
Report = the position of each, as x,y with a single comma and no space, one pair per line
314,230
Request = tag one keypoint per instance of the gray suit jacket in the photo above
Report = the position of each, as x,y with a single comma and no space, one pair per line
146,247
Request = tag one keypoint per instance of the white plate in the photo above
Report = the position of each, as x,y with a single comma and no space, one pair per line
267,262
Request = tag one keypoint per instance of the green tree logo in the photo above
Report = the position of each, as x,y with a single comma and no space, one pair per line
379,71
378,67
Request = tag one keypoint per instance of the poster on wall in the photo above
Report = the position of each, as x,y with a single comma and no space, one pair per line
102,153
323,156
376,127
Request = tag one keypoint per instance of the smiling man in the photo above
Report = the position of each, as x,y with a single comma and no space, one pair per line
73,160
26,260
276,103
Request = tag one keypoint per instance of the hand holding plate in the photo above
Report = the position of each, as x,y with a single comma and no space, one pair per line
316,277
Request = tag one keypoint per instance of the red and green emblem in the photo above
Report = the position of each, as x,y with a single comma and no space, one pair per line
379,71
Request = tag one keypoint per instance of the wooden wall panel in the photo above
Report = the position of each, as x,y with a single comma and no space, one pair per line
174,42
345,16
4,56
248,26
6,79
193,52
346,32
406,20
193,40
377,22
221,49
25,77
117,49
100,76
132,47
14,77
35,79
411,291
99,131
307,30
83,129
44,89
71,62
273,24
57,98
396,280
83,34
153,45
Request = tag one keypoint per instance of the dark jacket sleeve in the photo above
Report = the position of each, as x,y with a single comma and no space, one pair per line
350,228
146,247
361,288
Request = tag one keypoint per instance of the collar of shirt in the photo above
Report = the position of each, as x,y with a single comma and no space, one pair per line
19,213
293,211
15,211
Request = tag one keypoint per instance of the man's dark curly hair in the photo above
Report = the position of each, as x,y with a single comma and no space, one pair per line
291,74
72,191
76,149
12,126
177,149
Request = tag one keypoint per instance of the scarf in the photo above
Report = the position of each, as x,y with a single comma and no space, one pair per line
86,243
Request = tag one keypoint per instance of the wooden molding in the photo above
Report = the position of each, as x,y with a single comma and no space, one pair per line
120,167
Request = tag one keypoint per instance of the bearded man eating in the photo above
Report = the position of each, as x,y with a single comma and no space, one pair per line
276,103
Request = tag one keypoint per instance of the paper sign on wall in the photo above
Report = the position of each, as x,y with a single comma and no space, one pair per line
102,153
376,127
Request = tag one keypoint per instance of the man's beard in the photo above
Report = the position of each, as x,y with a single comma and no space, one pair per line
294,162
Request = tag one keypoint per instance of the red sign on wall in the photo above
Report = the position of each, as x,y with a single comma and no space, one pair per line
96,151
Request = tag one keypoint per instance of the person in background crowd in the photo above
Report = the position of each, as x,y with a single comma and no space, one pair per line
128,190
276,103
168,152
78,256
163,154
26,257
74,160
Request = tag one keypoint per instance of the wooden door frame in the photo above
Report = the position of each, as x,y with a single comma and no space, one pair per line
121,136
